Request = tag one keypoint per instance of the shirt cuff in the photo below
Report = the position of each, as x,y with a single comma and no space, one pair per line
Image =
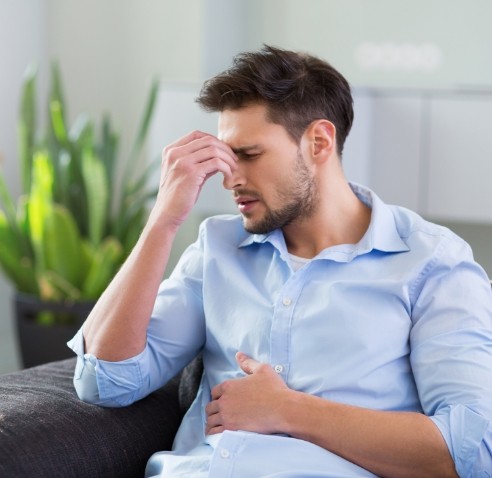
469,438
110,384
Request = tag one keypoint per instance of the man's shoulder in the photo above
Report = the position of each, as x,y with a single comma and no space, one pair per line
415,230
224,222
224,228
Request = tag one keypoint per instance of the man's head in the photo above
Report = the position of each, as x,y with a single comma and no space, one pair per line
296,89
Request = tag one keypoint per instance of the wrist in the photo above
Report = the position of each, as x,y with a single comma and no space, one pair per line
164,222
290,412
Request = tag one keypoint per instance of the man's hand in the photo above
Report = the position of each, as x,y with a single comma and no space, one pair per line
251,403
186,165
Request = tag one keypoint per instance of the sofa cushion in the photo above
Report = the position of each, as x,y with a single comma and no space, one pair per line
46,431
191,377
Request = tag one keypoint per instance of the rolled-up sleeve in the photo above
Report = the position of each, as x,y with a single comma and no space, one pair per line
469,438
452,356
109,384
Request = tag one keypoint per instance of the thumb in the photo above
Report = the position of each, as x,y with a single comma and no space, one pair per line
247,364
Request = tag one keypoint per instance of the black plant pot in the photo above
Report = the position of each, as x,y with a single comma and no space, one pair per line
43,328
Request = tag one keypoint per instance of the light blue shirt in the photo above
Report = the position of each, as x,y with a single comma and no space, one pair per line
400,321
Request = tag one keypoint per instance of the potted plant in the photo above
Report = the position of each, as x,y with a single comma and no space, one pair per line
75,222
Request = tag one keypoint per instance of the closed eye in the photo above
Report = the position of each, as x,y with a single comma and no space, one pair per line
249,156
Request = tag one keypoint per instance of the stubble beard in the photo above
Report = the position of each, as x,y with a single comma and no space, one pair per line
299,203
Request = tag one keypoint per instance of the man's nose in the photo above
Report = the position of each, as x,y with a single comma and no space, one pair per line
235,179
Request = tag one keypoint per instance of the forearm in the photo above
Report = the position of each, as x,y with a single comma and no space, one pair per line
389,444
117,326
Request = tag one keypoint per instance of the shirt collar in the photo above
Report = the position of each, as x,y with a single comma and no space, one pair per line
382,233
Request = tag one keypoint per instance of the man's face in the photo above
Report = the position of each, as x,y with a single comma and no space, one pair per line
273,186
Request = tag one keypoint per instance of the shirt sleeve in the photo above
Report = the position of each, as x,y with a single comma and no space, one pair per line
451,354
175,335
108,384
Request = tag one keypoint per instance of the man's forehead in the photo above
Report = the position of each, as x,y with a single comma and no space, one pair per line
243,125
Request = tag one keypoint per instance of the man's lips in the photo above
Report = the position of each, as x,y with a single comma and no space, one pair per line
245,203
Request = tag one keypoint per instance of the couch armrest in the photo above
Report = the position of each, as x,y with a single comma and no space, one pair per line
46,431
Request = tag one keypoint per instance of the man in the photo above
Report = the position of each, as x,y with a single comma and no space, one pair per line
341,337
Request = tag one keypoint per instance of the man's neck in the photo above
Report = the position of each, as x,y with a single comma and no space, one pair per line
340,219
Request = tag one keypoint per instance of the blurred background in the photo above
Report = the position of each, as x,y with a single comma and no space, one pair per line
421,74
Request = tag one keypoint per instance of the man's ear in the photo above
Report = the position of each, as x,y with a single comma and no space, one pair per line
321,139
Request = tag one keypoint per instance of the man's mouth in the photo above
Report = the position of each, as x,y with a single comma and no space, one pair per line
246,203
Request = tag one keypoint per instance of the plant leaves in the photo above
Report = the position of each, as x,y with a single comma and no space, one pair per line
17,267
27,126
40,204
58,122
105,260
61,247
132,162
96,188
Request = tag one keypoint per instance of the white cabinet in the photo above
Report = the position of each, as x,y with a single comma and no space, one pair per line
396,165
460,158
384,147
428,151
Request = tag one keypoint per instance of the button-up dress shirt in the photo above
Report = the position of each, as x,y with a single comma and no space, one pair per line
400,321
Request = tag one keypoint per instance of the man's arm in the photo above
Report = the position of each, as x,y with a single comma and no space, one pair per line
389,444
116,328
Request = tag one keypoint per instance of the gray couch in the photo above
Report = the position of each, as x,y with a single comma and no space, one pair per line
46,431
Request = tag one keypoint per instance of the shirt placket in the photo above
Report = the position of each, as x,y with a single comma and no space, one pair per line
283,313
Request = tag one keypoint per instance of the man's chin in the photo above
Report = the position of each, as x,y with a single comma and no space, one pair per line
256,227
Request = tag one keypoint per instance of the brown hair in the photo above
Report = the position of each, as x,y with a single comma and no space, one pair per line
296,88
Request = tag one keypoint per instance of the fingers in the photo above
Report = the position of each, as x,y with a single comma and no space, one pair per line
187,138
198,147
186,165
247,364
213,424
197,155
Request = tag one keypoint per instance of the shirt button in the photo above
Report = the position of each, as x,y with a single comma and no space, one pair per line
278,368
287,301
224,453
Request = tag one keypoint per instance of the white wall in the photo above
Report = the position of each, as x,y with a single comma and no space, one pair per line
110,51
396,33
22,34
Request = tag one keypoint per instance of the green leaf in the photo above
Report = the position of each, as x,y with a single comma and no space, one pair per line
40,203
59,288
145,123
27,126
81,132
105,260
17,267
136,150
133,231
96,188
64,177
140,185
6,198
61,246
56,93
58,122
23,221
11,215
108,148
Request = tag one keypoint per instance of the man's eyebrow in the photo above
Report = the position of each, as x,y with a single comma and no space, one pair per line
245,149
